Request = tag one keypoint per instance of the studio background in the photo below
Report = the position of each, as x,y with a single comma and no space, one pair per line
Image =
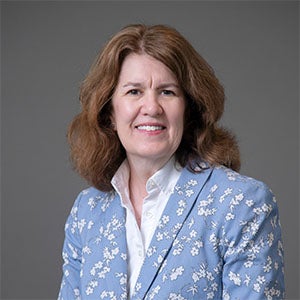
47,48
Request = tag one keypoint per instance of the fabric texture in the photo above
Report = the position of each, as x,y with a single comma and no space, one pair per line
219,237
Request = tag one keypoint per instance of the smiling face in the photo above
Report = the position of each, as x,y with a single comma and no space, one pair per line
148,109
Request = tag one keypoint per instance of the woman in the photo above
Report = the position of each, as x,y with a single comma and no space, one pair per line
167,216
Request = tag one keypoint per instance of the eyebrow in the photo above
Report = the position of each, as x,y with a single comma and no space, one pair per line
166,85
134,84
162,86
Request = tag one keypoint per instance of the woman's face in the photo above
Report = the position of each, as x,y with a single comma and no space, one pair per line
148,109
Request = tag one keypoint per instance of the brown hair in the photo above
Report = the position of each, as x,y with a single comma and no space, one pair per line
96,150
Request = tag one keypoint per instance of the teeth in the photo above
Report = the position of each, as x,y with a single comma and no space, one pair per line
150,128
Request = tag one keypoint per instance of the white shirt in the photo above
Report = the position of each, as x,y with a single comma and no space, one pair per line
159,188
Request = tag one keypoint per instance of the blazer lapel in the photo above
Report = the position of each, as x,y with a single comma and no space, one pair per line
177,210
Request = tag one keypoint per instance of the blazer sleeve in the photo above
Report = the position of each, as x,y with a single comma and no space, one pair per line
70,284
253,260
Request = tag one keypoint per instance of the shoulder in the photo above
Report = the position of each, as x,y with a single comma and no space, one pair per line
223,176
248,186
230,177
238,199
227,187
91,198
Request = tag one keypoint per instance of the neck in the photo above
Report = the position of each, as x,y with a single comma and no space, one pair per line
137,189
143,169
140,172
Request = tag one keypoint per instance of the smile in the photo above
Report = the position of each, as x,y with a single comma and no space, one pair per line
150,127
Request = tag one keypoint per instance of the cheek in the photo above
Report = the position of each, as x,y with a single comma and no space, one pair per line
117,111
123,113
178,119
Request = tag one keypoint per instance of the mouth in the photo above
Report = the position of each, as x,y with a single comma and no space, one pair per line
150,128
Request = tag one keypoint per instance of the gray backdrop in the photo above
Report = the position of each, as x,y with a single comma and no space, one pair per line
46,50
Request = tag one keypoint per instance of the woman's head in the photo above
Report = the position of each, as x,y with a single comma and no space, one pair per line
148,111
95,147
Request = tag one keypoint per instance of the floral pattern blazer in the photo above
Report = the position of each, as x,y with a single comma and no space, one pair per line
219,237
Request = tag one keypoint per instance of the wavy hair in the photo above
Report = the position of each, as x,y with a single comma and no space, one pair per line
96,151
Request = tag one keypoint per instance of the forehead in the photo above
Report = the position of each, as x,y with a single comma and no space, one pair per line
141,67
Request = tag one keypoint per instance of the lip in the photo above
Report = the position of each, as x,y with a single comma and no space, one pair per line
150,127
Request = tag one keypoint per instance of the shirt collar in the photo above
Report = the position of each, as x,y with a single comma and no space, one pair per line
120,181
164,179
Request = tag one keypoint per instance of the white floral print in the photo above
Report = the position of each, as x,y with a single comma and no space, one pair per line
219,237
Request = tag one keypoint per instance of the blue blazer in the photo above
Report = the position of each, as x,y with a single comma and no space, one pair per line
219,237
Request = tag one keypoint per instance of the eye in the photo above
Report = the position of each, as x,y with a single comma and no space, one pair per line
133,92
168,92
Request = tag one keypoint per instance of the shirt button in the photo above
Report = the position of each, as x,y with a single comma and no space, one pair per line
140,253
149,214
151,183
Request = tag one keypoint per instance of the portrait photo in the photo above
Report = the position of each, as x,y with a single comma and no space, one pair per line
150,150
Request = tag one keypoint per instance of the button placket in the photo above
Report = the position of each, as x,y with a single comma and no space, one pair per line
140,253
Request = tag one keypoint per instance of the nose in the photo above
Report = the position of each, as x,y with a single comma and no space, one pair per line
151,105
